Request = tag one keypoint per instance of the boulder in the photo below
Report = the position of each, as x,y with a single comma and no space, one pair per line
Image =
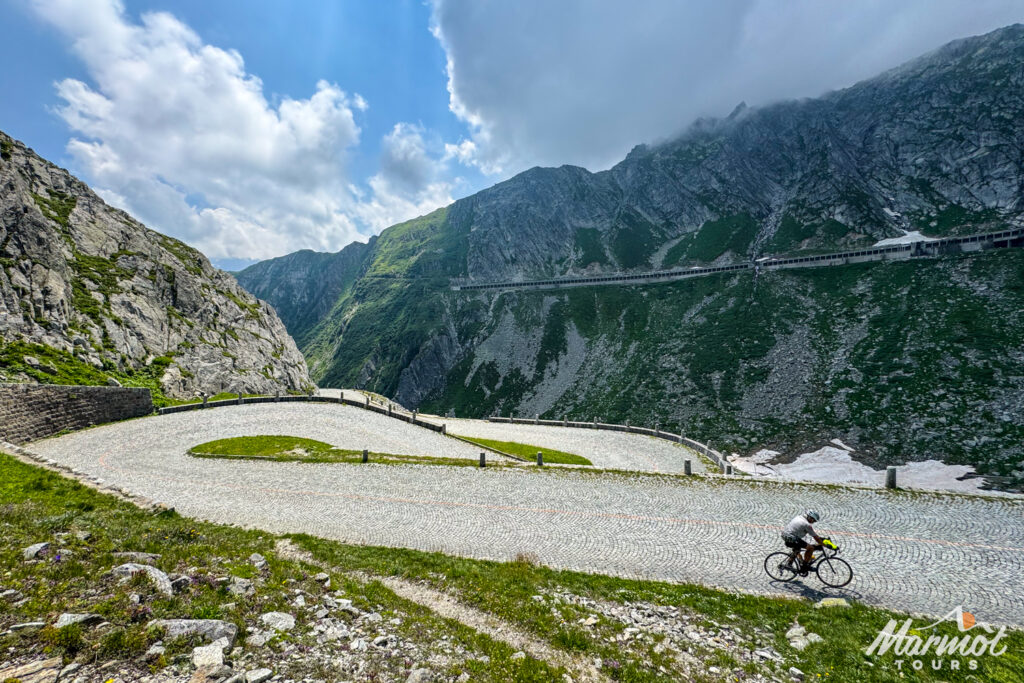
240,587
41,671
159,579
279,621
210,630
258,675
210,656
35,550
68,618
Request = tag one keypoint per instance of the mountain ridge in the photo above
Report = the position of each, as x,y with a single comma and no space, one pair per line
928,146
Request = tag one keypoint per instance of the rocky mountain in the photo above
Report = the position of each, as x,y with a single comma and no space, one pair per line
87,293
902,361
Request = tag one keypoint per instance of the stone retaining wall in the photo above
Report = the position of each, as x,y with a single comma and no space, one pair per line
35,411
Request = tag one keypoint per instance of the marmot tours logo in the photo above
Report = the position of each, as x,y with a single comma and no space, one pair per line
945,652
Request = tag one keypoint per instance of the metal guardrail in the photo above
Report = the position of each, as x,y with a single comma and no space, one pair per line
365,405
921,249
704,449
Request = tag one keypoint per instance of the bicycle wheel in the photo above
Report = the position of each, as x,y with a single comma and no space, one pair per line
777,566
834,572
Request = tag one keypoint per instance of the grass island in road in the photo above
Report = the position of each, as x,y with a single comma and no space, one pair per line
298,449
522,450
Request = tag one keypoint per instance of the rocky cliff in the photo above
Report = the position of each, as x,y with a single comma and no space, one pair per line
904,361
87,292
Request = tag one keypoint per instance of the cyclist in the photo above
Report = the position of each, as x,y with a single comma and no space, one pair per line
795,533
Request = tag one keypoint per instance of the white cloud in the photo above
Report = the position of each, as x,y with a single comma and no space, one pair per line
582,81
411,181
177,132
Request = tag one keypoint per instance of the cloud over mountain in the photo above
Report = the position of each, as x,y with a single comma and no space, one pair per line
582,81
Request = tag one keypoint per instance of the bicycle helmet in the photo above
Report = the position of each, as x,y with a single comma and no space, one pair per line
812,515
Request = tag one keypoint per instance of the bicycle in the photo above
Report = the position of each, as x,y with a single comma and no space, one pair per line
831,570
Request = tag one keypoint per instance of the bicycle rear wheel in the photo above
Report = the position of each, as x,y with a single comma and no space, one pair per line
777,566
834,572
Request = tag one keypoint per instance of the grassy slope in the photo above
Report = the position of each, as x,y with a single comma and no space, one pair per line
392,309
34,505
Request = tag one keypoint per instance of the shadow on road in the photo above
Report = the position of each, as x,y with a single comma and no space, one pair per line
796,588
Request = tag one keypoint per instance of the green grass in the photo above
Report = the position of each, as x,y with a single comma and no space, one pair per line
297,449
60,367
530,452
35,505
5,149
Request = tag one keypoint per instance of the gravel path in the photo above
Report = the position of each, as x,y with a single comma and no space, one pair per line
919,552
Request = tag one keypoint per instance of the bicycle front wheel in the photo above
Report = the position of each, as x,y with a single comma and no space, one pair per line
779,567
834,572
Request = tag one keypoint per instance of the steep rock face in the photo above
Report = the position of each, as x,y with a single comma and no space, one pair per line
933,145
304,286
89,281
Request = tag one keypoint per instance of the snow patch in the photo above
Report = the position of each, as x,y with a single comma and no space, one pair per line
833,465
905,238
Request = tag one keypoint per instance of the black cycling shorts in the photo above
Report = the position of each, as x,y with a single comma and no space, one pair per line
795,543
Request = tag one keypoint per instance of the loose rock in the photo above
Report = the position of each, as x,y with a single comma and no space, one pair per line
279,621
420,676
42,671
210,630
67,619
258,675
34,551
159,579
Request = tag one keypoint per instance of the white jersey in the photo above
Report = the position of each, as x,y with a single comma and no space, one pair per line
798,528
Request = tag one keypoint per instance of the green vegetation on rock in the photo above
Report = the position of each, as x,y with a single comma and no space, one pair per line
60,367
57,206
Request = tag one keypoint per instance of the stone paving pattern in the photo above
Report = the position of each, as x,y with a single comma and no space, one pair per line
924,553
612,450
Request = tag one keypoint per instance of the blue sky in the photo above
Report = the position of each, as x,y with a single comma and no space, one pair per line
254,128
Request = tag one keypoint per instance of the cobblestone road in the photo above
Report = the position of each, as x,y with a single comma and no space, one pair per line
919,552
612,450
